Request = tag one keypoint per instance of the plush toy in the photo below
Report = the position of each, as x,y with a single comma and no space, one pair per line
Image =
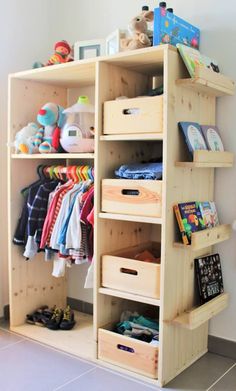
77,135
24,139
138,28
61,55
51,117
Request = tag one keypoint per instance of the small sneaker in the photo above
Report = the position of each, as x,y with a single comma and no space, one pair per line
54,322
68,320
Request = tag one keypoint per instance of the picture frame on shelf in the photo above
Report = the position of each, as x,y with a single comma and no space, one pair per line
89,49
113,41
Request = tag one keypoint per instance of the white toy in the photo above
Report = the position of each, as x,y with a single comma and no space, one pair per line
24,139
77,135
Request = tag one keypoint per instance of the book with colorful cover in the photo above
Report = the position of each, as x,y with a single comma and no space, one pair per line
212,138
209,214
189,219
209,277
192,58
193,136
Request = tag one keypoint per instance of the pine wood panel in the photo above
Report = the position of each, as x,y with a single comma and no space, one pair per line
195,317
146,116
141,356
117,197
179,185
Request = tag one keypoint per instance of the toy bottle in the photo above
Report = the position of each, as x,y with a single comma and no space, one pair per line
170,10
162,4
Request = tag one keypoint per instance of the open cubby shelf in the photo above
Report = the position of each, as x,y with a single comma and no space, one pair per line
197,316
208,82
103,79
209,159
207,237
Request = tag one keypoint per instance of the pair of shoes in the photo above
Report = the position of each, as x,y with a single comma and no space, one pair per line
40,316
60,319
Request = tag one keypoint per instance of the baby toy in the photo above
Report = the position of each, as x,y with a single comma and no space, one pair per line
61,55
138,28
51,117
78,131
24,139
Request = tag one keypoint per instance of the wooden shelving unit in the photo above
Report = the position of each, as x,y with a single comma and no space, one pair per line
31,283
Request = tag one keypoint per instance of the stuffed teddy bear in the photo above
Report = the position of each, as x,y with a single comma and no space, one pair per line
24,139
51,117
61,55
138,28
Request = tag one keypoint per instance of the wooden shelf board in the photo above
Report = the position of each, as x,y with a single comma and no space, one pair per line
199,315
132,137
203,165
207,237
78,341
129,296
208,82
54,156
72,74
206,159
139,219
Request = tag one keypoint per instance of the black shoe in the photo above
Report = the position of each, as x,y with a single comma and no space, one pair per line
35,317
68,320
54,322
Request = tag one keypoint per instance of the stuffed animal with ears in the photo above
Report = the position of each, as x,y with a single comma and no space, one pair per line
51,117
24,139
61,55
138,28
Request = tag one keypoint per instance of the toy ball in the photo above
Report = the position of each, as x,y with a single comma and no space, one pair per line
45,147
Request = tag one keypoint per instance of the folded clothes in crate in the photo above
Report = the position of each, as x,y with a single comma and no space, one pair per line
138,327
140,171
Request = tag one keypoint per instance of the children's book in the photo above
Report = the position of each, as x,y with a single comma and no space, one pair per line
189,219
209,214
192,57
212,138
209,277
170,28
193,136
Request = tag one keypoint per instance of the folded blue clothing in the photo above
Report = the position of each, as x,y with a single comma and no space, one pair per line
140,171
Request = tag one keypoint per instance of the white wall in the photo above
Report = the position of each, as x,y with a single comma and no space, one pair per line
28,31
97,19
25,30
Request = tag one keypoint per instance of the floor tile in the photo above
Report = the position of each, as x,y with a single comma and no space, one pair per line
29,366
102,380
202,374
7,338
227,383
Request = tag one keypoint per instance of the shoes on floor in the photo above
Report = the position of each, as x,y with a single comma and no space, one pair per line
54,322
37,317
68,320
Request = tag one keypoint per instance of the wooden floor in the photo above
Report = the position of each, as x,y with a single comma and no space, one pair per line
78,341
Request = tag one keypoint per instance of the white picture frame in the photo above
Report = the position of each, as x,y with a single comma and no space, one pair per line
113,41
89,49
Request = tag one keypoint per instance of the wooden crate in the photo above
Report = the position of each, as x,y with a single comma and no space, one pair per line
136,115
139,356
122,271
132,197
199,315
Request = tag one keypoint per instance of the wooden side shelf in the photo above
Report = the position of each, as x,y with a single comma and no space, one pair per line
209,82
207,237
208,159
199,315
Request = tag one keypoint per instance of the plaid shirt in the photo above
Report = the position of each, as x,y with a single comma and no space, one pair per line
38,209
